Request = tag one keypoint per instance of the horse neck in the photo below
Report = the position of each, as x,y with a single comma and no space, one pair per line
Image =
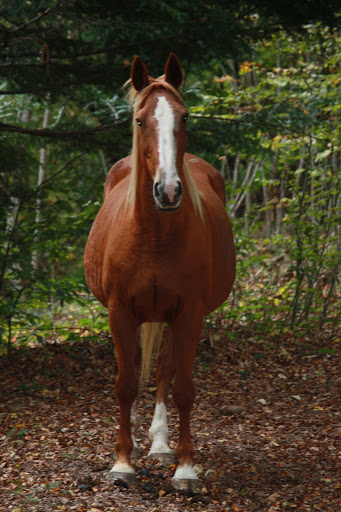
144,201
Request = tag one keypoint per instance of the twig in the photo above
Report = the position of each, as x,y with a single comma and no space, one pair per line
37,18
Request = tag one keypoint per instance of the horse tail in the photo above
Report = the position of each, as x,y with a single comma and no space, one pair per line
151,337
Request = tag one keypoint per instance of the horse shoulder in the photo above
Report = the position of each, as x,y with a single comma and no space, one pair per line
200,168
117,173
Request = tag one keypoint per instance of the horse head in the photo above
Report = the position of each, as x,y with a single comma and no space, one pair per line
160,130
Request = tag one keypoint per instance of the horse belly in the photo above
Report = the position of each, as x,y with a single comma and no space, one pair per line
221,263
155,303
223,267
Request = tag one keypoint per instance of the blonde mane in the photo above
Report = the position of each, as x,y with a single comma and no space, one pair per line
136,98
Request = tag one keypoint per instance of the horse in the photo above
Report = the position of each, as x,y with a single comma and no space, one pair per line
160,253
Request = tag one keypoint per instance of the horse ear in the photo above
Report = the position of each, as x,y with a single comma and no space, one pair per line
173,71
139,74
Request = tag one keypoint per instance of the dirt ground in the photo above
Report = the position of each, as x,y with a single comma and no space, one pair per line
266,427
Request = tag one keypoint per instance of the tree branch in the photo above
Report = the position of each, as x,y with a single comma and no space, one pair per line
57,134
51,178
37,18
89,81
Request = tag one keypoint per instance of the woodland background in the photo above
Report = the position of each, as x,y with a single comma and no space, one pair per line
262,84
263,87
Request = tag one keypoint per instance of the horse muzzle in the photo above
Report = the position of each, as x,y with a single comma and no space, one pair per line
168,195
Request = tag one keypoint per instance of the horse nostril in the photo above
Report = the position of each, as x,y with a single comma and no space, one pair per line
178,190
156,189
167,195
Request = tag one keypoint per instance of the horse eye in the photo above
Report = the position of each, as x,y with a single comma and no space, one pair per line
139,122
185,118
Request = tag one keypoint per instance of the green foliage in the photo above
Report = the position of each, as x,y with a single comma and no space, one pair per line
281,154
67,203
269,119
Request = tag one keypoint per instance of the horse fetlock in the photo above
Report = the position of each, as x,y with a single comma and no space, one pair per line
185,453
124,448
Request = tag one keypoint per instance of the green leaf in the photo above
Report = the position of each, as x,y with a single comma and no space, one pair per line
323,155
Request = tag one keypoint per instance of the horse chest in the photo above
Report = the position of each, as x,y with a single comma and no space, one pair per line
156,277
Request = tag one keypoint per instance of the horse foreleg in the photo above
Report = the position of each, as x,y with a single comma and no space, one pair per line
123,329
158,432
186,331
133,416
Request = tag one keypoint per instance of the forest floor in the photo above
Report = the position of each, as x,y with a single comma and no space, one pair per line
266,427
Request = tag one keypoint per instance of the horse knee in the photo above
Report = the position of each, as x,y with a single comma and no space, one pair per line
183,395
126,389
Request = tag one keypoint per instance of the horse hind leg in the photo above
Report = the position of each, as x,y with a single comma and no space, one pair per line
158,432
133,421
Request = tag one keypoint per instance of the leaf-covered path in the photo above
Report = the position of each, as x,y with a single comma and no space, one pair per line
266,428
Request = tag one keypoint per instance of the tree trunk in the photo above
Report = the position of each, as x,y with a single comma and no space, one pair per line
281,206
41,178
266,201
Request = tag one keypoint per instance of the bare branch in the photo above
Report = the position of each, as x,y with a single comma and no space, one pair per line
51,178
37,18
61,134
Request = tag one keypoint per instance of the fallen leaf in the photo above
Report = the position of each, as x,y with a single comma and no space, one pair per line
273,497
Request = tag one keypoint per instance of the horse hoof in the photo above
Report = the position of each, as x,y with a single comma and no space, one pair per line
186,484
128,478
165,458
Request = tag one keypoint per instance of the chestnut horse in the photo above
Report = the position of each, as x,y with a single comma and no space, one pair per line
160,251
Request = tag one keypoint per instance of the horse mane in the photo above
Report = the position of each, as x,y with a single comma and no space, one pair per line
136,98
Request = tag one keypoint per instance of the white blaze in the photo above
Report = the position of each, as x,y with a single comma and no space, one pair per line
158,432
166,124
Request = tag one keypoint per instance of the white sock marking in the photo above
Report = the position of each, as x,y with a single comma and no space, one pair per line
122,467
186,471
158,432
